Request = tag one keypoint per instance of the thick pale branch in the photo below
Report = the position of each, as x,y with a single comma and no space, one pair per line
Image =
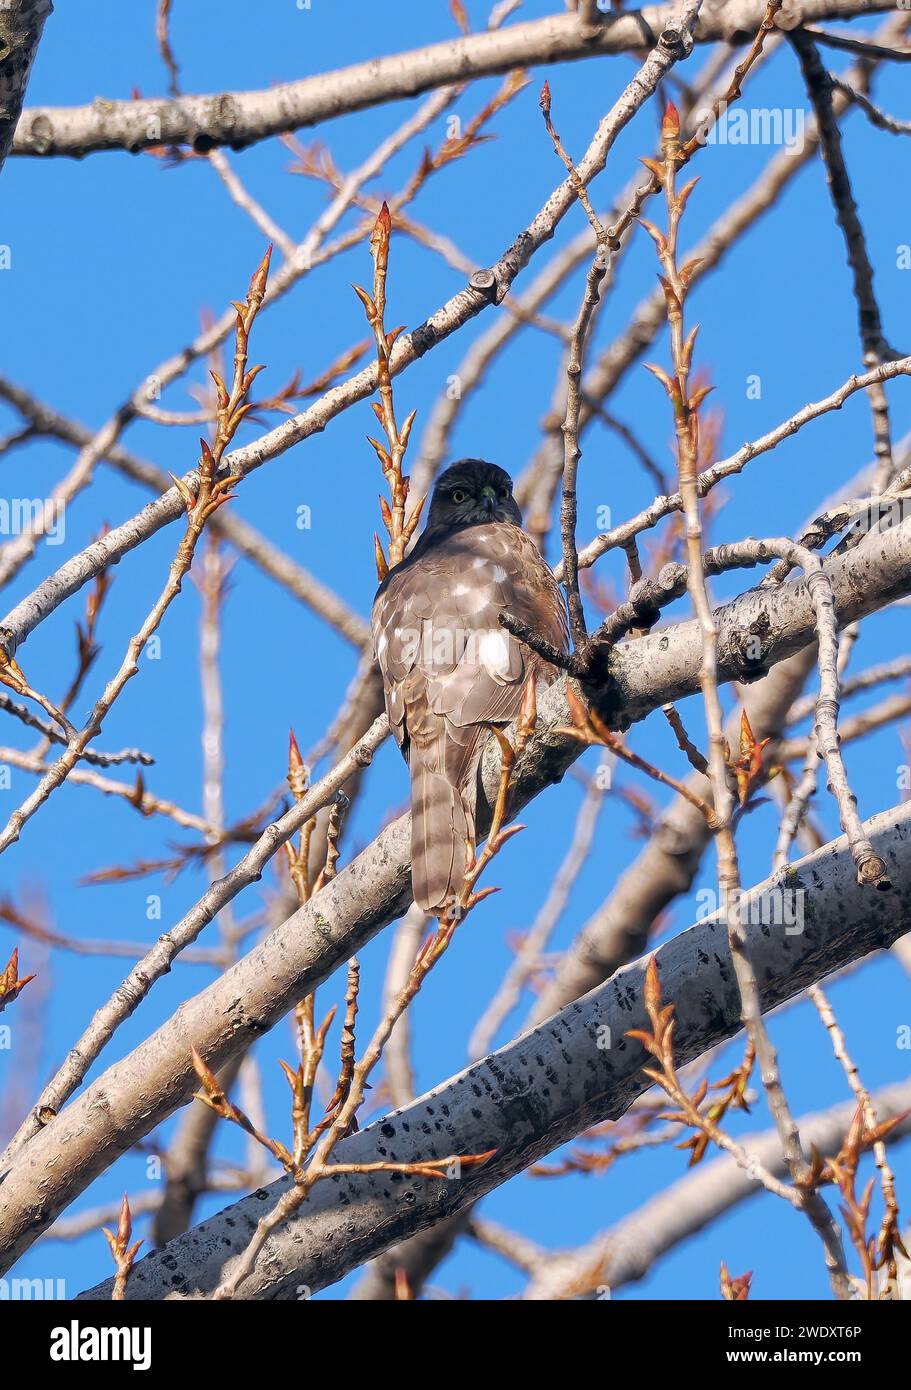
575,1070
158,959
241,118
128,1100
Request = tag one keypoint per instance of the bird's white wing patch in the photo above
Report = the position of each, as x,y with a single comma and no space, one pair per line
493,653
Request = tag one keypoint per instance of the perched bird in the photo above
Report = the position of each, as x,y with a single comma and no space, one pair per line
449,668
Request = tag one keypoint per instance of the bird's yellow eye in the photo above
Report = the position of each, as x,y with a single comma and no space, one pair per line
459,495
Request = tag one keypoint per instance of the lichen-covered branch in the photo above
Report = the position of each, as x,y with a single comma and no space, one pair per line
21,26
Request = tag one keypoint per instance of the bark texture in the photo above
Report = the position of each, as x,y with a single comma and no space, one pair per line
21,27
573,1071
135,1094
237,119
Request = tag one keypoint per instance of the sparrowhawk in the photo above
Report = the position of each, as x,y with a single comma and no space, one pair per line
449,668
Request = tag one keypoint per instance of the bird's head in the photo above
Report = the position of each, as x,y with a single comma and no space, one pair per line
473,491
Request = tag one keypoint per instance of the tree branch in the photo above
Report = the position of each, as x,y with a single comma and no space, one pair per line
21,27
628,1250
592,1074
486,287
242,118
126,1102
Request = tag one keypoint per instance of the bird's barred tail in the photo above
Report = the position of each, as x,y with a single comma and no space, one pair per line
440,826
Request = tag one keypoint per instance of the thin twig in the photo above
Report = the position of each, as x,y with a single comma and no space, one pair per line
876,349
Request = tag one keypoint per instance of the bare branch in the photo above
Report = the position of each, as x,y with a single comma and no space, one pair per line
375,887
874,345
488,287
241,118
589,1083
629,1250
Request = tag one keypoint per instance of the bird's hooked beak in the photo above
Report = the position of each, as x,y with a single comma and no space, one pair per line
489,499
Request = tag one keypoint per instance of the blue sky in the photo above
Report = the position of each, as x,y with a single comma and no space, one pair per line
114,257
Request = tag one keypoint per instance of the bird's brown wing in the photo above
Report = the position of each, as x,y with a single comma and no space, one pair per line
449,669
